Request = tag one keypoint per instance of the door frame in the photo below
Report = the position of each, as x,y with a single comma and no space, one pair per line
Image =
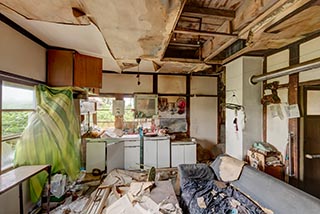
303,114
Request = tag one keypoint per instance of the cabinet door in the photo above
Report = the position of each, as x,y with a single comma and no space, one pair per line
87,71
60,67
131,157
95,156
177,155
115,156
163,153
190,154
150,154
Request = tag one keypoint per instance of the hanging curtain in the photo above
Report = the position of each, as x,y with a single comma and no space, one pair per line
51,137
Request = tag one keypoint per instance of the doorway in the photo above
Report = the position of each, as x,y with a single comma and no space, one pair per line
311,140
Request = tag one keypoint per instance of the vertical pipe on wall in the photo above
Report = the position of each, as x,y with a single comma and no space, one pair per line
264,107
188,91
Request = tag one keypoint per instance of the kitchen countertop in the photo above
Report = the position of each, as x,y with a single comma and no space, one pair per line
183,141
133,137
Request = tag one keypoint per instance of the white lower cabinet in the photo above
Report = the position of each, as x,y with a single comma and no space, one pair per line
132,155
95,156
150,154
183,153
115,156
177,154
163,153
156,153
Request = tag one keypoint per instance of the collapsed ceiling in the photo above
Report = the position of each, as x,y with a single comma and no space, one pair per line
168,35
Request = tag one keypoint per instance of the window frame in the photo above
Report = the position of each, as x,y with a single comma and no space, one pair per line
122,97
15,79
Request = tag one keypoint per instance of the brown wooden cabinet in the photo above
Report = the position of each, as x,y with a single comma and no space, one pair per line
69,68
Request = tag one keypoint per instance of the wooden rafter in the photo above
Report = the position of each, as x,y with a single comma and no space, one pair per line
208,12
271,16
184,44
204,33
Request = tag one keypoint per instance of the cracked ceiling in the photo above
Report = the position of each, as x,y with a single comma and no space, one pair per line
167,35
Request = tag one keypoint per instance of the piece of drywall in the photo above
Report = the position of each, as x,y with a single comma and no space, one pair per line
19,55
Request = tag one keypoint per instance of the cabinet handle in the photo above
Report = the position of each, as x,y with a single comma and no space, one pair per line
316,156
131,146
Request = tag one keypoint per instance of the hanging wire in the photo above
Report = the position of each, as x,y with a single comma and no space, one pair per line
233,102
138,60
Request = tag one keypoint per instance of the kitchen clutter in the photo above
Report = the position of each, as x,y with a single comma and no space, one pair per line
265,157
121,191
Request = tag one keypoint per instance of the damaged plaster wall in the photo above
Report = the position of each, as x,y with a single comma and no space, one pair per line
243,128
203,112
277,128
19,55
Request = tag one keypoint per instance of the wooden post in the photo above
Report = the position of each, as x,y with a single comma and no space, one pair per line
293,98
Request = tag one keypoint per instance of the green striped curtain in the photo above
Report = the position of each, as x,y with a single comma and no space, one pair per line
51,137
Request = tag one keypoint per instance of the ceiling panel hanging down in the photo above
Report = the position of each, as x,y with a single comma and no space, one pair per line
176,35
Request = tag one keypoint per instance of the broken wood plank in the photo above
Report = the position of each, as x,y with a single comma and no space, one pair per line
97,203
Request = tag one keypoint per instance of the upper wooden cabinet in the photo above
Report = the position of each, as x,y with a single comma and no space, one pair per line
69,68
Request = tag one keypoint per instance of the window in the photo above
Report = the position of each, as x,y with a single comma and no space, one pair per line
105,118
128,109
18,101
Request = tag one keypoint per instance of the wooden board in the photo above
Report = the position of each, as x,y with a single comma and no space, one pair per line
14,177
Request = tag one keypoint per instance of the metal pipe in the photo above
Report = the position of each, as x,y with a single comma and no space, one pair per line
306,66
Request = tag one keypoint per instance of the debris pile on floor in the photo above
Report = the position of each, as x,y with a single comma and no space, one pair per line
125,191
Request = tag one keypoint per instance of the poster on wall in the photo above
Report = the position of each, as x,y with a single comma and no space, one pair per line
174,124
293,111
146,105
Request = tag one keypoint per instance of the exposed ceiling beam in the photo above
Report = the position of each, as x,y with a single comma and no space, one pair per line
279,10
208,12
204,33
185,45
219,49
174,26
175,59
275,13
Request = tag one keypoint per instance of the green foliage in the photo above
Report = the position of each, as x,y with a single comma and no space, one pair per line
105,117
14,122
